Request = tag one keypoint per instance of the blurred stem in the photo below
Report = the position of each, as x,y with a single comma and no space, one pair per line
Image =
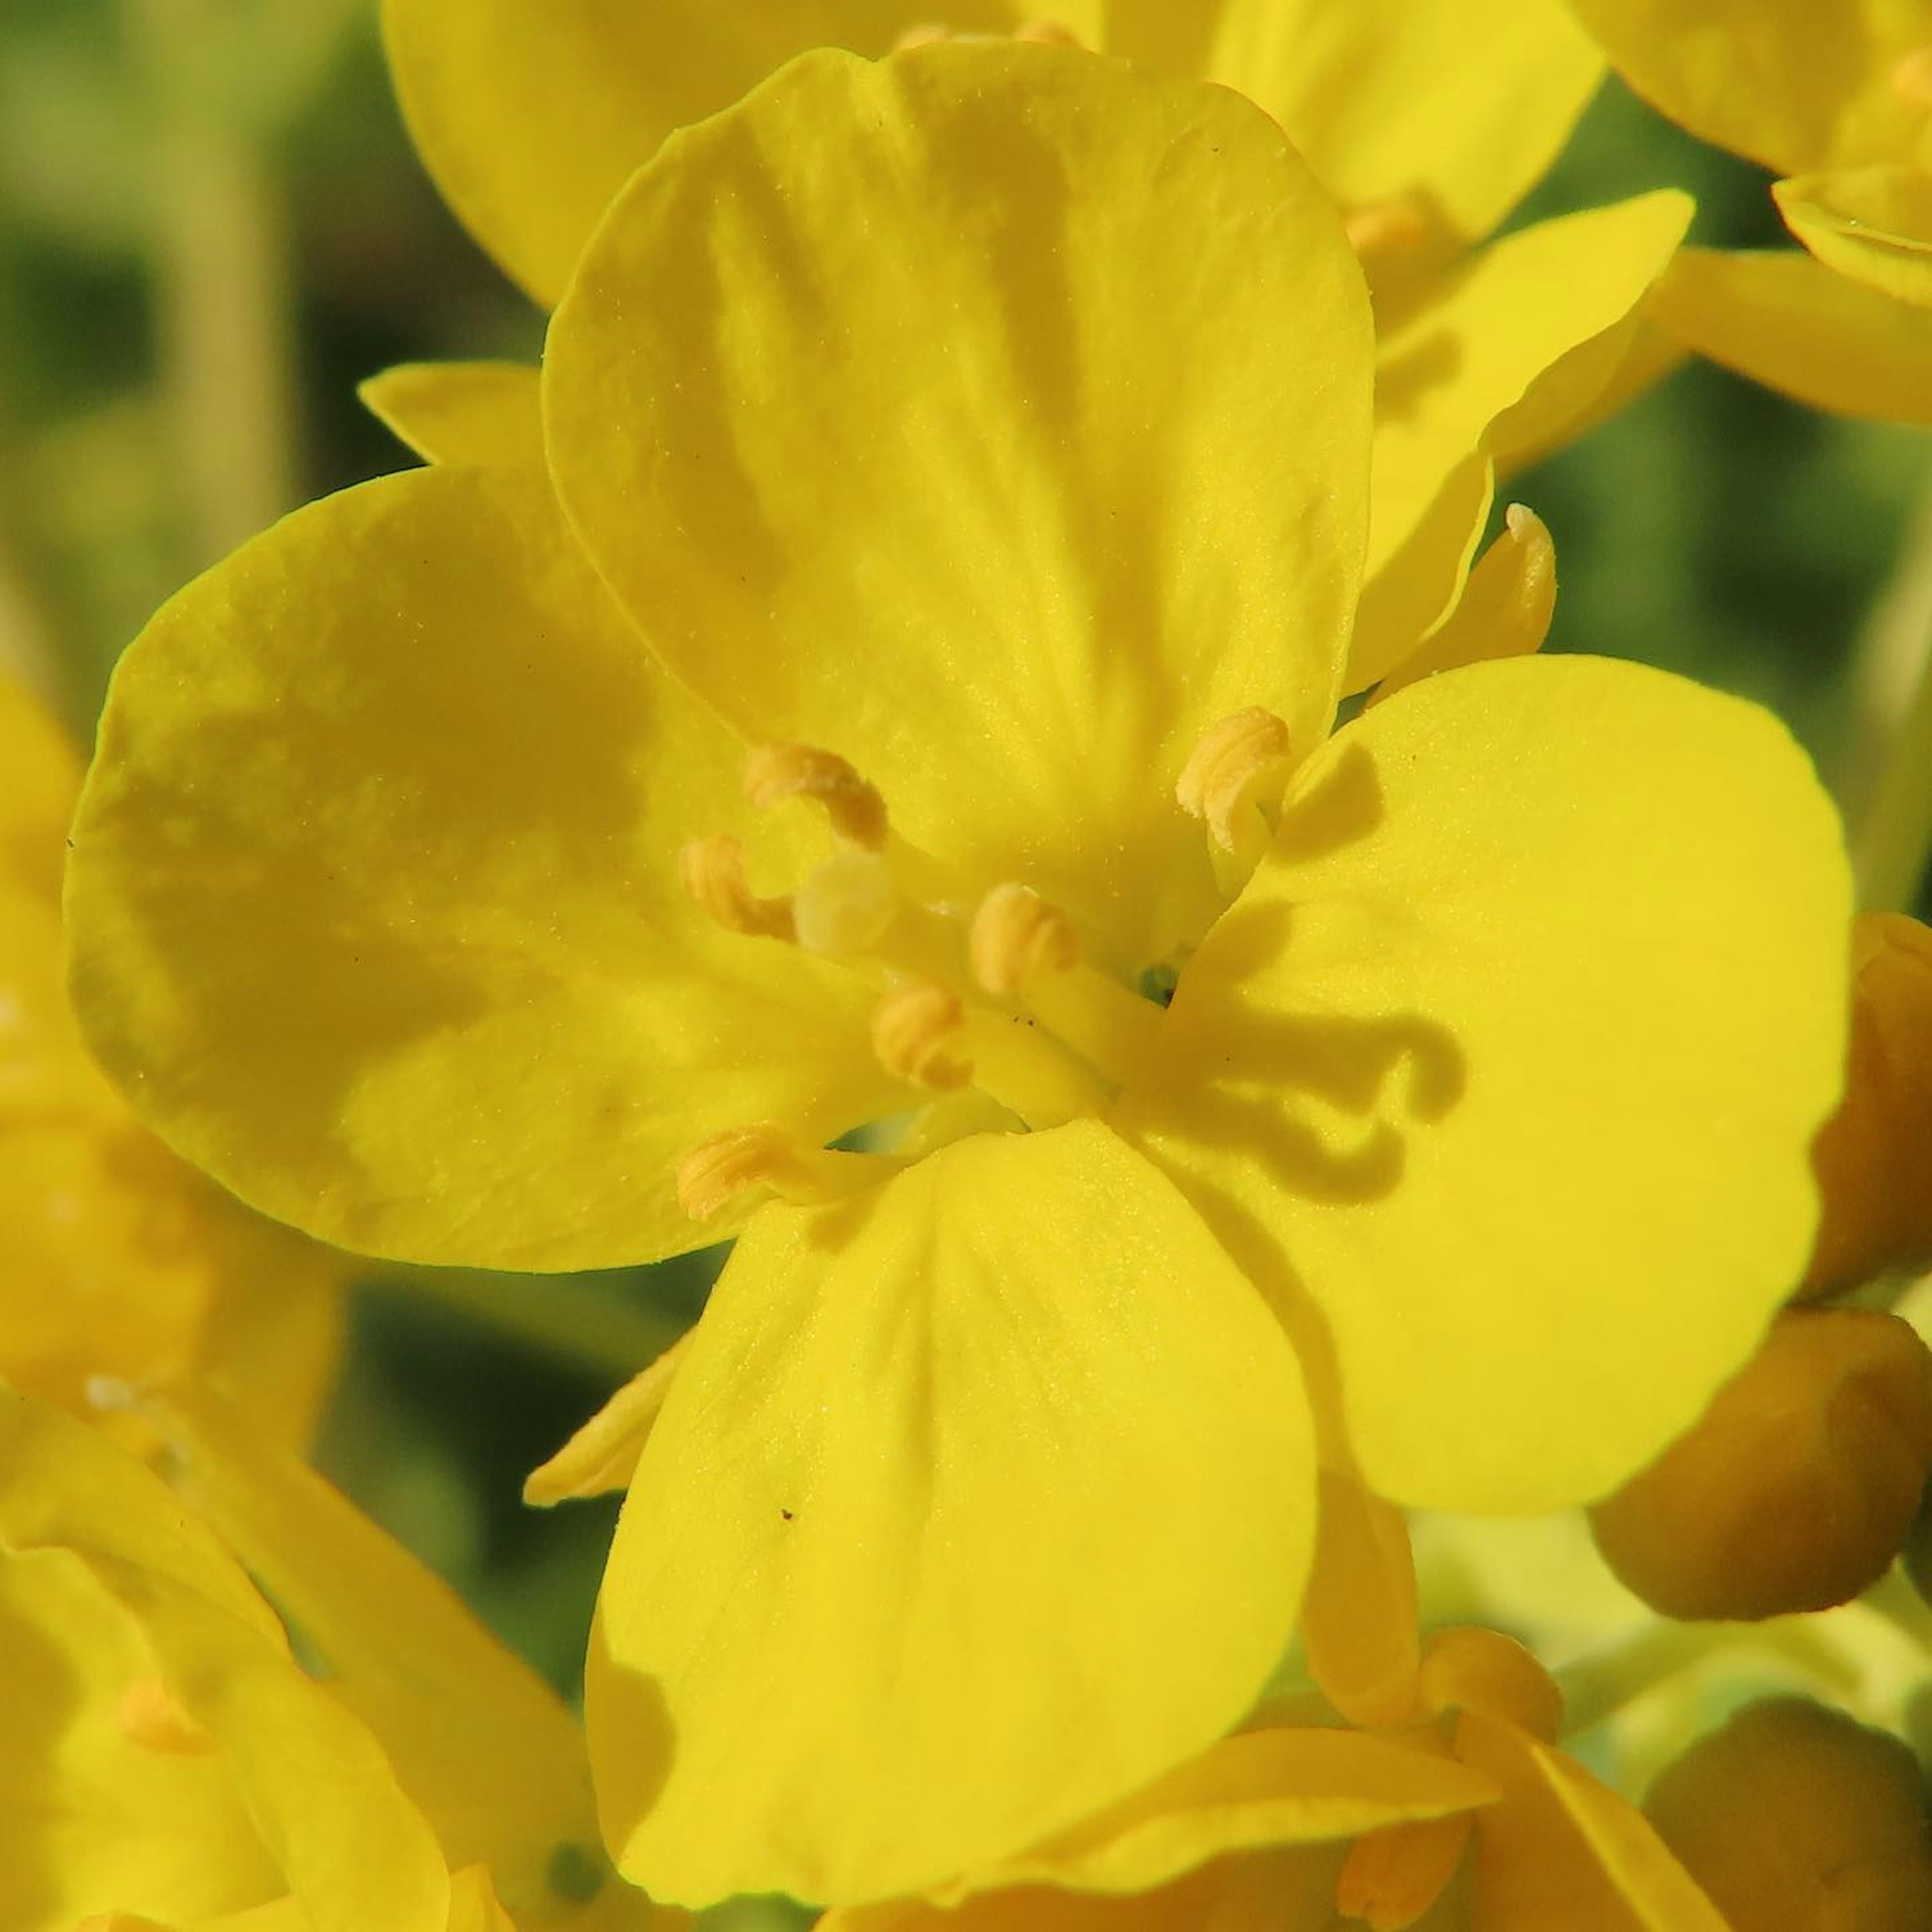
571,1321
1893,837
222,278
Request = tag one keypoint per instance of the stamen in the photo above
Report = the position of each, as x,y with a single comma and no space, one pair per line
1049,34
1233,768
1016,936
1466,1668
1383,228
712,870
150,1714
911,1027
776,772
710,1177
920,37
1391,1877
1912,78
846,906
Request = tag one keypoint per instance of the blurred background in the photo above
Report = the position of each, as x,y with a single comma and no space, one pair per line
211,227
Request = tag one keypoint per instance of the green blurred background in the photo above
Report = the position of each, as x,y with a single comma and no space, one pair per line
211,227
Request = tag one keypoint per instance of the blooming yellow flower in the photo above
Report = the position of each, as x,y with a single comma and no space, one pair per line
164,1755
122,1263
980,436
1837,100
1427,132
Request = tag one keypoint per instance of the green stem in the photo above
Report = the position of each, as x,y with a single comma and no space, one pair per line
586,1326
1893,840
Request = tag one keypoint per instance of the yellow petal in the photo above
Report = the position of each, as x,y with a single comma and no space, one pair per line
373,902
1360,1620
486,1750
1392,99
1261,1788
1873,224
1514,1049
485,412
938,1436
602,1456
1504,612
1786,321
1536,315
1788,82
1561,1850
531,120
1010,567
323,1800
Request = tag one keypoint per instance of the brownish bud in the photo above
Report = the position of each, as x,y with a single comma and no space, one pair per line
1797,1486
1873,1156
1795,1818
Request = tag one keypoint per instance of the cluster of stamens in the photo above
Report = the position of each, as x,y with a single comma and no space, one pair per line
1001,999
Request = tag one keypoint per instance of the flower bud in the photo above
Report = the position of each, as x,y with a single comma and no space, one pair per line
1794,1818
1873,1156
1797,1486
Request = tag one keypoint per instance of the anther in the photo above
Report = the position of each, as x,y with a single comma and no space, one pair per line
764,1155
1235,764
1912,78
776,772
712,870
920,37
1016,936
911,1027
149,1714
1049,34
1383,228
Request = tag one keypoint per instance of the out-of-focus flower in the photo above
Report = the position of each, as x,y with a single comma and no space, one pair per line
1425,133
1874,1155
1796,1487
123,1264
1487,1072
1795,1818
1838,99
165,1756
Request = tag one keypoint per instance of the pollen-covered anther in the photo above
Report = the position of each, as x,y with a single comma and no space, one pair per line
1377,229
776,772
763,1155
1912,78
712,870
911,1027
1236,764
1016,936
149,1714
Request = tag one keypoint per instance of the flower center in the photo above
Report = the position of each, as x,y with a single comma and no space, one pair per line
986,998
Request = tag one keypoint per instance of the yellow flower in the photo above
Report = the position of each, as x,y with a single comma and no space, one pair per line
1836,99
165,1755
981,437
122,1264
1427,132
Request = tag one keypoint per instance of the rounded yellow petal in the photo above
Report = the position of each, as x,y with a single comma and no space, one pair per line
530,118
995,417
1789,82
1513,1049
373,901
1532,322
486,412
862,1628
1399,100
1785,320
1873,224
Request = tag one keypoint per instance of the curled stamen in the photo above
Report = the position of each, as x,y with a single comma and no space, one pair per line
712,870
1016,936
1466,1668
1235,763
911,1027
1380,228
149,1714
1912,78
710,1177
776,772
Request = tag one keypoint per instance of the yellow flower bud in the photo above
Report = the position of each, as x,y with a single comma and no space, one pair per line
1796,1819
1873,1156
1796,1487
